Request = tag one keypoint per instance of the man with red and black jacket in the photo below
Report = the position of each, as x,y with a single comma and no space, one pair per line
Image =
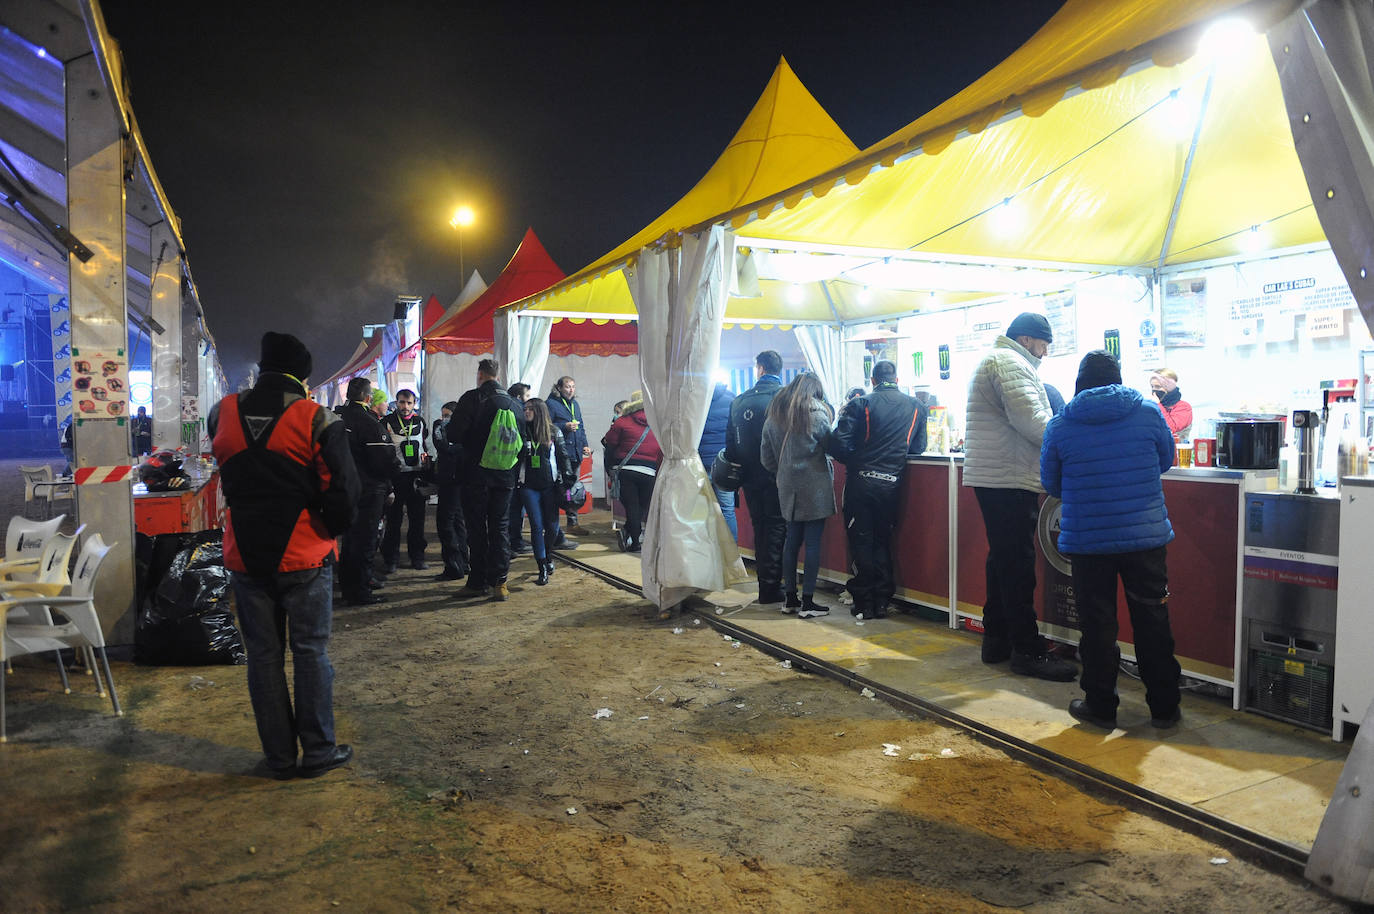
873,438
291,487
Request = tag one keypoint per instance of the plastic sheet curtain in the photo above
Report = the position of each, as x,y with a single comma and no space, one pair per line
1323,54
680,296
825,357
522,348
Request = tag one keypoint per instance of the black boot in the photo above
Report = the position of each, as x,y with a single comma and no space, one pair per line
543,574
548,569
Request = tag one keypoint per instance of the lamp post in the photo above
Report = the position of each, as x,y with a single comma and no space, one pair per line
462,218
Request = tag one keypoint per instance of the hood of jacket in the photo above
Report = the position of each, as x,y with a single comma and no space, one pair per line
1099,405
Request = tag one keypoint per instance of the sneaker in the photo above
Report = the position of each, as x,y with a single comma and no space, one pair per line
810,609
996,650
1043,666
1081,712
500,593
791,604
1164,722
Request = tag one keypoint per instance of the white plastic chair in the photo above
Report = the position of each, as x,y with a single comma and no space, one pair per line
36,499
80,630
24,538
45,576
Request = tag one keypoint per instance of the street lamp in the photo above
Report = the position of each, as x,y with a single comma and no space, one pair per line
462,218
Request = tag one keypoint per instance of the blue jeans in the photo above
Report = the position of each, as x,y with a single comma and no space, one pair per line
727,507
300,603
542,507
799,532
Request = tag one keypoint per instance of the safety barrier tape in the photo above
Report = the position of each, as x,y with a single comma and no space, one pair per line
93,475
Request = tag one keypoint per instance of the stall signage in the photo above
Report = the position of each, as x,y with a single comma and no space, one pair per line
1289,566
1289,285
1326,323
100,385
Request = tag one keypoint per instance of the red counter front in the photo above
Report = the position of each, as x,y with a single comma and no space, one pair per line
937,510
179,512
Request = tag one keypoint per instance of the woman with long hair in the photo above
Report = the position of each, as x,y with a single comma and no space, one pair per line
544,468
795,431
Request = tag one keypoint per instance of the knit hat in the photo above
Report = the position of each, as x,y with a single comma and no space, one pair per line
283,353
1098,369
1030,324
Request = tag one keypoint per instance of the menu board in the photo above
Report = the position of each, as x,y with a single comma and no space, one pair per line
100,385
1185,312
1062,312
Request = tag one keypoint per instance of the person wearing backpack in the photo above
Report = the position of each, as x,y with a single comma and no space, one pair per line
544,471
489,427
633,454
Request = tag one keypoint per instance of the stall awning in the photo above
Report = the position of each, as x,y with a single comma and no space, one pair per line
1122,136
529,270
367,352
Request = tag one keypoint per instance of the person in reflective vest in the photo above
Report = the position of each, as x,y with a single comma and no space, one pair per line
291,487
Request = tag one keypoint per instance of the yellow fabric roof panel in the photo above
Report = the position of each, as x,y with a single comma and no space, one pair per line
1092,181
787,138
1082,43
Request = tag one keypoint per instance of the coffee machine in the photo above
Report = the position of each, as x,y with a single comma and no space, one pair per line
1307,424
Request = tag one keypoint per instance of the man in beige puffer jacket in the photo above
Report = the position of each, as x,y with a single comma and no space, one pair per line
1006,418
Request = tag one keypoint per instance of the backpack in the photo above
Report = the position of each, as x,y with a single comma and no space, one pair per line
504,443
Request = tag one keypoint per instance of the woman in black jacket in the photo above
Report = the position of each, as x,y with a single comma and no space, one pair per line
544,472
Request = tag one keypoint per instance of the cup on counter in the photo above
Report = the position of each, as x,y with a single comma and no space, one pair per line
1204,452
1185,456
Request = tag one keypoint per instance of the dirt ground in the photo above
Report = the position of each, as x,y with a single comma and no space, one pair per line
487,780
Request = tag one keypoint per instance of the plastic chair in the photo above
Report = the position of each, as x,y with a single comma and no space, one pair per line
25,538
36,497
80,630
45,576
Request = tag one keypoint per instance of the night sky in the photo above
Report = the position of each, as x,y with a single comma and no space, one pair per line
315,152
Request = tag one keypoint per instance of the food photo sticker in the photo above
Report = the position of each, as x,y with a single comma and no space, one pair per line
100,382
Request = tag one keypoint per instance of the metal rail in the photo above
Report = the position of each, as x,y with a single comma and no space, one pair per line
1244,843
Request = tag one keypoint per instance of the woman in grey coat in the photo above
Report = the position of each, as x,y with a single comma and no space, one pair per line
794,437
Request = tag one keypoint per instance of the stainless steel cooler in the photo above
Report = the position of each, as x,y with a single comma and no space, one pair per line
1288,605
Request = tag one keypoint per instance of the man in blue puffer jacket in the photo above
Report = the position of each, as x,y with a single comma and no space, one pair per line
712,441
1104,456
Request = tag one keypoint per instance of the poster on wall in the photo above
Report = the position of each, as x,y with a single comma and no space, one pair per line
1151,351
1185,312
1062,311
983,325
100,385
60,319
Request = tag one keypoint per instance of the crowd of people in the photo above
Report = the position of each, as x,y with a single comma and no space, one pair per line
297,476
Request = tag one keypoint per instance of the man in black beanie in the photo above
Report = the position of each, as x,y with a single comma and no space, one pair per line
291,488
1008,410
1104,456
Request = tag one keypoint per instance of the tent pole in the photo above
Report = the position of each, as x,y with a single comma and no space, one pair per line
1187,166
825,289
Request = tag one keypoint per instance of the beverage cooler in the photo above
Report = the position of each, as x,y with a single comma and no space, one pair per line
1288,605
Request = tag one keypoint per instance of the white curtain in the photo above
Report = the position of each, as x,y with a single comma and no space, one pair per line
825,356
680,296
1323,54
522,348
447,376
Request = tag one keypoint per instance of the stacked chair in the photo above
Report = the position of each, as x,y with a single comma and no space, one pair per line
44,607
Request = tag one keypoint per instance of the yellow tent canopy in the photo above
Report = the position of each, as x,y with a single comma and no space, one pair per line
1122,136
786,138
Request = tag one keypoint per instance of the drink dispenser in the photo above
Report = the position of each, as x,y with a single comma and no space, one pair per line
1306,423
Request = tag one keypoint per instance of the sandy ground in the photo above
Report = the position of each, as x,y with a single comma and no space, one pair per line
485,781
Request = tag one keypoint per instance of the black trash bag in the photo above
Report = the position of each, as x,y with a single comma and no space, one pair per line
184,614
